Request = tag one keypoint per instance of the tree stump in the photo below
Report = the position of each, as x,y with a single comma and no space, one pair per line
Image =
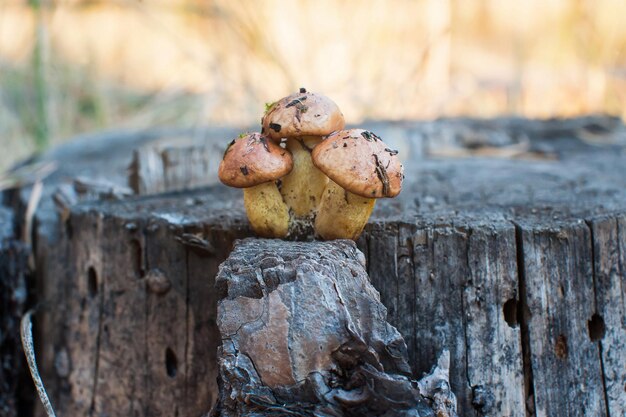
507,247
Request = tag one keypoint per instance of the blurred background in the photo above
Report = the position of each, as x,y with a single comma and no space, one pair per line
73,66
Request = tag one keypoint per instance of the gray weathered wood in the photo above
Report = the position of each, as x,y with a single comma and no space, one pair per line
566,367
490,301
446,256
141,335
170,168
607,327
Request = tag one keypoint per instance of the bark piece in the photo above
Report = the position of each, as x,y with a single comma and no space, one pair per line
304,333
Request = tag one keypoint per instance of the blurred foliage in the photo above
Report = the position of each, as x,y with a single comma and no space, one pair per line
72,66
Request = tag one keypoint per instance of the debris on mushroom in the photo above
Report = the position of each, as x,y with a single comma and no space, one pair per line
255,163
361,168
303,119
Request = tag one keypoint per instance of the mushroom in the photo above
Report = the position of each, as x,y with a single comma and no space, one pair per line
361,169
303,119
254,163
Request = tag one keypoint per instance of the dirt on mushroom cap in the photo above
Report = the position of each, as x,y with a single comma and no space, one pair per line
302,114
253,159
360,162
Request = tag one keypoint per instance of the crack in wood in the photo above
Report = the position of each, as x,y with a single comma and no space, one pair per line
468,235
146,350
523,312
187,321
594,273
94,391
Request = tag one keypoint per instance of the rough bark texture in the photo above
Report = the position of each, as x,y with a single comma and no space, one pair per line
506,247
13,269
304,334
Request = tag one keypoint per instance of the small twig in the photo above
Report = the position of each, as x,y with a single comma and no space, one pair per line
197,242
26,175
26,334
33,202
29,216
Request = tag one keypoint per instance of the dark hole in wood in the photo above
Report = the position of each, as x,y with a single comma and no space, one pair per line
483,399
510,312
596,327
137,258
171,363
92,282
560,348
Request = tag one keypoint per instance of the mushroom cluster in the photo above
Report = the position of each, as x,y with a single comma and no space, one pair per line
305,169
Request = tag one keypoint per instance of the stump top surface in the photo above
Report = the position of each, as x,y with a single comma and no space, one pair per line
472,190
562,171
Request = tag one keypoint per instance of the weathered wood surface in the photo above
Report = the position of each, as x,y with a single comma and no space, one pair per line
14,398
608,324
514,265
169,168
304,333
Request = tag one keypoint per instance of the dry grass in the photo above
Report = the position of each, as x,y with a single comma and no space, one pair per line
74,66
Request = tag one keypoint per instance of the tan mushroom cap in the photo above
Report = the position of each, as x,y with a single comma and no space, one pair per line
252,160
360,162
302,114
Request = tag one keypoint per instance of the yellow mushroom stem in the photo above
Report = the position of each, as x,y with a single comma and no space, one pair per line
267,213
342,214
303,187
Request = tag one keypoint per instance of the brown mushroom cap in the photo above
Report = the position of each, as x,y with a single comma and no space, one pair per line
252,160
360,162
302,114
